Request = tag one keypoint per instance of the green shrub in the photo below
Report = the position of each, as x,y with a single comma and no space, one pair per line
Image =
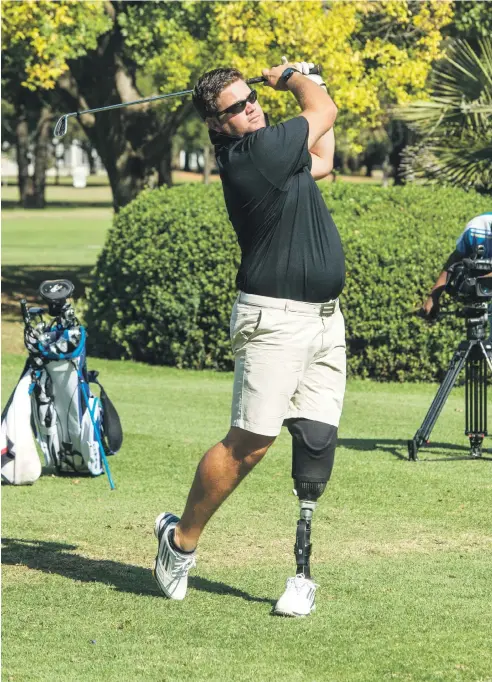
165,281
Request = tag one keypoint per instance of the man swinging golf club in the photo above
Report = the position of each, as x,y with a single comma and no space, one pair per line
287,330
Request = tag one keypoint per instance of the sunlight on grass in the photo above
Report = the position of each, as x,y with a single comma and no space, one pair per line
399,548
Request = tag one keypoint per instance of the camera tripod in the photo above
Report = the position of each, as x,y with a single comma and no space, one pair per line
475,355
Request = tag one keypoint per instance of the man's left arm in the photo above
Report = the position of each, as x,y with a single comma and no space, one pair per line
323,151
322,155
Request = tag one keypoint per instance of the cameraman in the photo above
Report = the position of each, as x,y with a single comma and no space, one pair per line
478,232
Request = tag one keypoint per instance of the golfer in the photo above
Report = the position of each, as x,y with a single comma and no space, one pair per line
287,330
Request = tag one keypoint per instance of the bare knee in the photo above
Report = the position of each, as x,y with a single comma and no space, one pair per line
246,446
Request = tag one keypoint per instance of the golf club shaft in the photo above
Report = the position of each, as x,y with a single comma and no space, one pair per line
61,125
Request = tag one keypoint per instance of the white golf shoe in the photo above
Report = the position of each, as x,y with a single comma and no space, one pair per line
171,566
298,598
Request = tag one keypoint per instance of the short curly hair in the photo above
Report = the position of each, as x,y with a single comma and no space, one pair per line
209,87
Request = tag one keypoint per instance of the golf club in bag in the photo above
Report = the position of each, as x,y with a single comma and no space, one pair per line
74,428
61,126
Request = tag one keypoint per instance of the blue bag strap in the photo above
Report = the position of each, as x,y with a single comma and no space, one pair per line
65,356
85,393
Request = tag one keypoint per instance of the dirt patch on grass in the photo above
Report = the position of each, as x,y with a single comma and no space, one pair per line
466,542
251,553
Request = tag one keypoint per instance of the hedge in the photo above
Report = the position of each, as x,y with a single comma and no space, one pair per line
164,283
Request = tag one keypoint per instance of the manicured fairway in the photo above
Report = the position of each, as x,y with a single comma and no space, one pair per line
68,236
401,551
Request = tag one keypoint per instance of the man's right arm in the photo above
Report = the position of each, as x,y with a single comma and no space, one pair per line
430,308
316,104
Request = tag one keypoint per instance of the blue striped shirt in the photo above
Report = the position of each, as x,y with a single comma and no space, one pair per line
477,232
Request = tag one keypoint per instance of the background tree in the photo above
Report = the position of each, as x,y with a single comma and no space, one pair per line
192,138
37,39
373,53
472,21
455,124
170,44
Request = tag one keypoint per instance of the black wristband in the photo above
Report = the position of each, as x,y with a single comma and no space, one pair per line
288,73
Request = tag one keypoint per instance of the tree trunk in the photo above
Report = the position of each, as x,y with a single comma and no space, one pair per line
32,188
125,177
207,164
165,174
41,157
134,144
26,186
400,137
87,147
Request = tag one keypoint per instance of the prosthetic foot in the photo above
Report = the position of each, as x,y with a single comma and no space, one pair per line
300,591
313,450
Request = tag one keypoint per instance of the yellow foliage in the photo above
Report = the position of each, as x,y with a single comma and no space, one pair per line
365,75
39,37
375,54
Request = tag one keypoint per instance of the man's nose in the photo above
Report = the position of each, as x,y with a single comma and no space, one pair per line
250,108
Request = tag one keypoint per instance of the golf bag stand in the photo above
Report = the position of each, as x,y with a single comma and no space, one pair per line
475,355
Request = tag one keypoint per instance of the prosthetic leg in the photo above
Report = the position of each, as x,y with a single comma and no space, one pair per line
313,453
302,548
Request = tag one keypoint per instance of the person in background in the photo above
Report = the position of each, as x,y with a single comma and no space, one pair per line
477,232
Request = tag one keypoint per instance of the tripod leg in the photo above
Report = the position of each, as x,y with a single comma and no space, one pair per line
476,397
455,366
487,352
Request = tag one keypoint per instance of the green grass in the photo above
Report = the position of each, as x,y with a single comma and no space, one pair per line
401,550
54,236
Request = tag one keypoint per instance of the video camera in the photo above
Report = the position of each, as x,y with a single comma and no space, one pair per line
470,279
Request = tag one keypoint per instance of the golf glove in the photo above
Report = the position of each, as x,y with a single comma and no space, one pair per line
303,67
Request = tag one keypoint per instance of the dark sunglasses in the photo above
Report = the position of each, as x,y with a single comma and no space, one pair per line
237,107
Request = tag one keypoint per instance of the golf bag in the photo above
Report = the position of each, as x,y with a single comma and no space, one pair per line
74,428
20,462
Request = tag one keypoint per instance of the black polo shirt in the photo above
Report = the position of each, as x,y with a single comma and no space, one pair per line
290,246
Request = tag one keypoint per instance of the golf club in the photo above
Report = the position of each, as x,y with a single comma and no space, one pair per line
62,123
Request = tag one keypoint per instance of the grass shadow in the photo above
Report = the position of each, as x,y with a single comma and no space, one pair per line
57,557
22,281
10,204
206,585
395,447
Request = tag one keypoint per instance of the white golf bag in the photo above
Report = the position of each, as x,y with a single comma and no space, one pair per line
74,428
20,461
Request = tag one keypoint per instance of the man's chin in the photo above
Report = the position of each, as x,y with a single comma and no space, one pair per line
257,124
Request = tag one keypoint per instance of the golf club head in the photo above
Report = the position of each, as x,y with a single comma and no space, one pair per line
61,127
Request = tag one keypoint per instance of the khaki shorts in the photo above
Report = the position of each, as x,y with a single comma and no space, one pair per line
289,362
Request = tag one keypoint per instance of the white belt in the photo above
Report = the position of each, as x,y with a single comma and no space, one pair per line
319,309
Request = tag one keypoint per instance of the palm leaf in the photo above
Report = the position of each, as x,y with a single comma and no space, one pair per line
452,162
455,124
